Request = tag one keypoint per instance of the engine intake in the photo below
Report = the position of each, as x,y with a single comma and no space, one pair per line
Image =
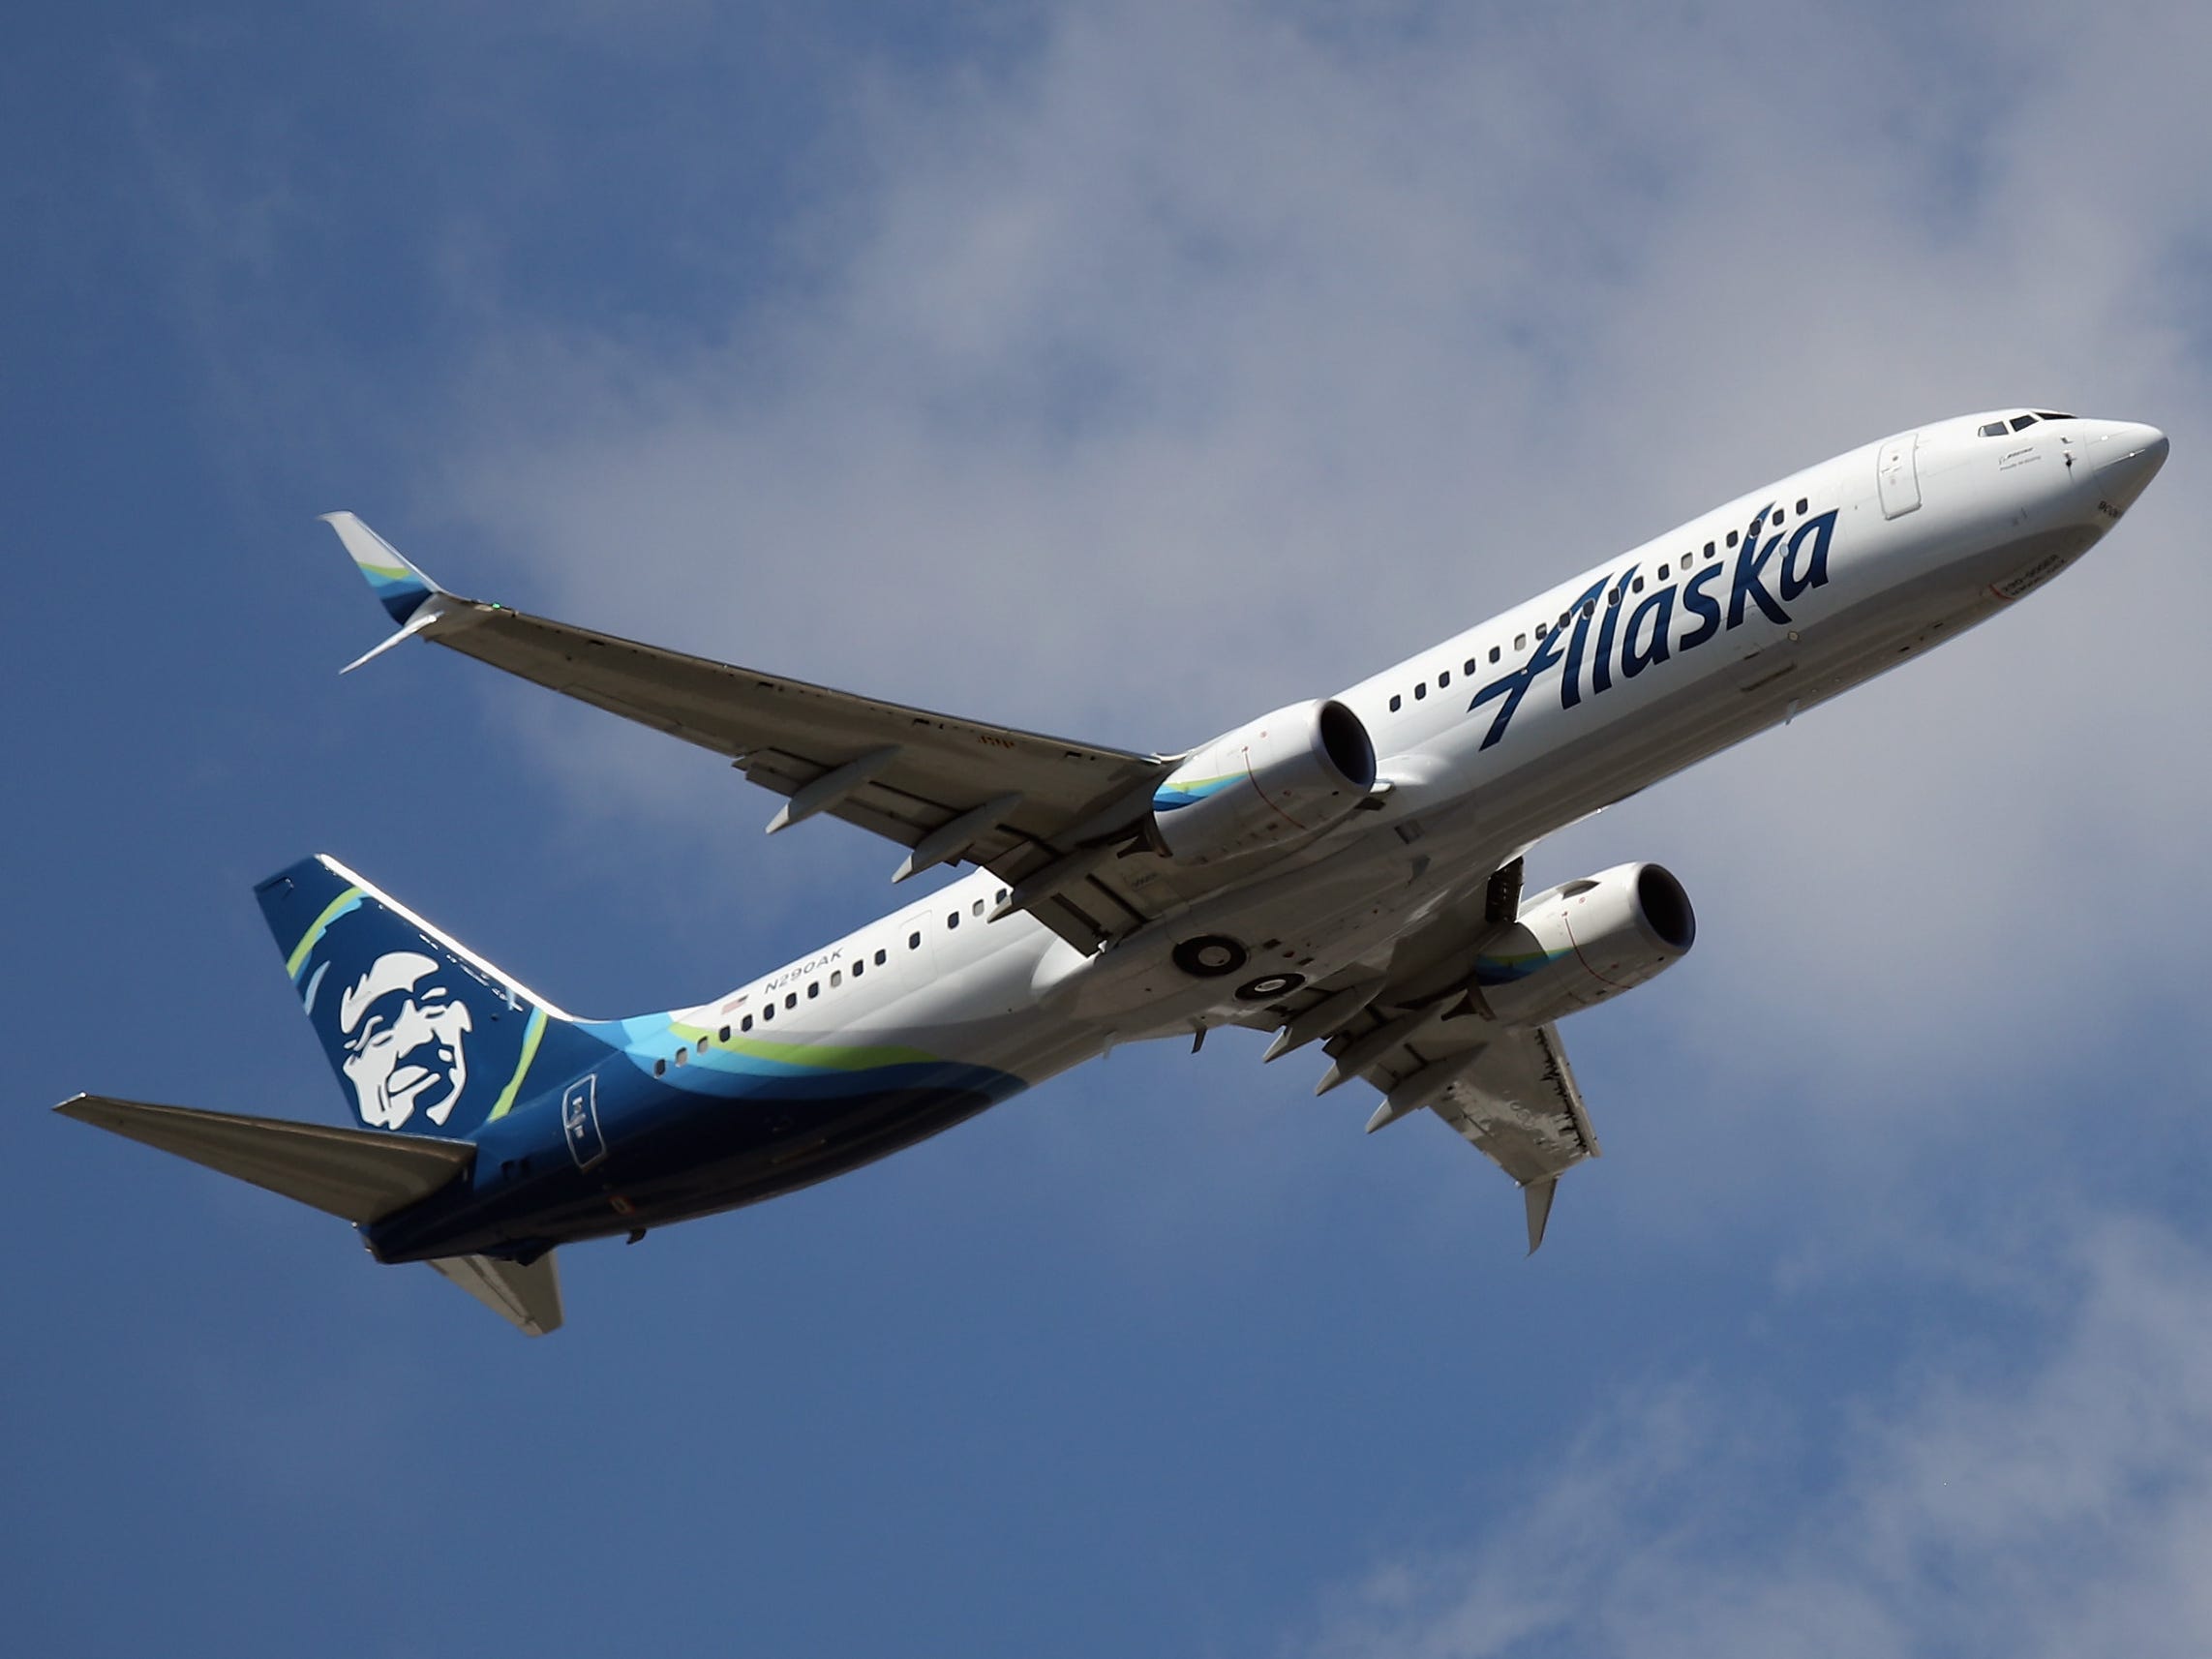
1584,943
1284,776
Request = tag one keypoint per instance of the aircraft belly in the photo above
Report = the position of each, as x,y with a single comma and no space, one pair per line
691,1163
720,1142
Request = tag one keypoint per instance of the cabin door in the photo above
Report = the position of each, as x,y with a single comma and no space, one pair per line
1897,475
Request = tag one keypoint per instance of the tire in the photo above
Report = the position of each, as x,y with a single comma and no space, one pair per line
1269,987
1209,957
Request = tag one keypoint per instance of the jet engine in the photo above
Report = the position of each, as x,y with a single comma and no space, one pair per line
1583,943
1284,775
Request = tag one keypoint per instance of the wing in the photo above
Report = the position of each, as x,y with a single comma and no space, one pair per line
1047,815
1415,1034
1508,1090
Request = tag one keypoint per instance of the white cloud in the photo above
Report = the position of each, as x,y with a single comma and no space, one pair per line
1211,355
2058,1505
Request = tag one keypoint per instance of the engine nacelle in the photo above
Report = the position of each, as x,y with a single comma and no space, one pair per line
1284,775
1583,943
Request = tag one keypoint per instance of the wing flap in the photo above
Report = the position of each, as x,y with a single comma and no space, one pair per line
1507,1091
1519,1105
357,1175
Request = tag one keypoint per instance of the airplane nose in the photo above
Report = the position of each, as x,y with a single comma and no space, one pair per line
2125,457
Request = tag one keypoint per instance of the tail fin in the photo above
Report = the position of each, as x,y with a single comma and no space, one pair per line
427,1037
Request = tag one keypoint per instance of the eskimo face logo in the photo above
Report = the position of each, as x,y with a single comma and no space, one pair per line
402,1034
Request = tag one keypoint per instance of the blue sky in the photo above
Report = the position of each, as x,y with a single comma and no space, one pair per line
1121,369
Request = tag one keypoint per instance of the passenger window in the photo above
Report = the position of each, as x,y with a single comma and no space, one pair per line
1520,642
791,999
1001,899
977,908
1730,539
768,1011
813,989
914,941
1709,549
1637,585
1590,610
1493,654
952,921
1471,661
1420,691
747,1024
659,1066
1801,506
684,1056
859,967
1396,703
1444,678
1611,598
836,978
725,1034
1663,572
879,958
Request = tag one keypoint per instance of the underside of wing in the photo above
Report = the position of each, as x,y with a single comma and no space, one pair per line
1508,1090
1050,816
1011,801
1418,1032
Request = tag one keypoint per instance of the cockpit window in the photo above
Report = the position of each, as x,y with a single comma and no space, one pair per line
1995,428
2046,415
2020,422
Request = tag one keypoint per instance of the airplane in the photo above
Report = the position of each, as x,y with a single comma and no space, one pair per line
1345,872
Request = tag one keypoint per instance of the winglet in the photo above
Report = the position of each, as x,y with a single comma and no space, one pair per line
399,587
1537,1195
409,598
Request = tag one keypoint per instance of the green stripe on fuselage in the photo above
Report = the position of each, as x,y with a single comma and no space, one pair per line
822,1057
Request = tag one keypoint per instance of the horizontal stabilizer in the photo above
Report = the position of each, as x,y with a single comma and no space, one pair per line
528,1298
357,1175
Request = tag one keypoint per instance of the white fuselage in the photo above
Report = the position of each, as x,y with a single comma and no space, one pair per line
1505,732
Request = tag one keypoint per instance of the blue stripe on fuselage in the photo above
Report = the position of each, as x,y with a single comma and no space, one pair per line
679,1149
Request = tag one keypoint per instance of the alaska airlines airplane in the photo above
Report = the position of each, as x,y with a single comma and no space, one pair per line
1345,872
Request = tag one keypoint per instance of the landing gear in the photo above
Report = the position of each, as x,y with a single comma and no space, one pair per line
1209,957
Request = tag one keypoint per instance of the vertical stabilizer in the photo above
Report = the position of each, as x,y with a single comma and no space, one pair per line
428,1037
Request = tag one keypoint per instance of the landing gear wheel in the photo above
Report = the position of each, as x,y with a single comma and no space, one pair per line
1269,987
1209,957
